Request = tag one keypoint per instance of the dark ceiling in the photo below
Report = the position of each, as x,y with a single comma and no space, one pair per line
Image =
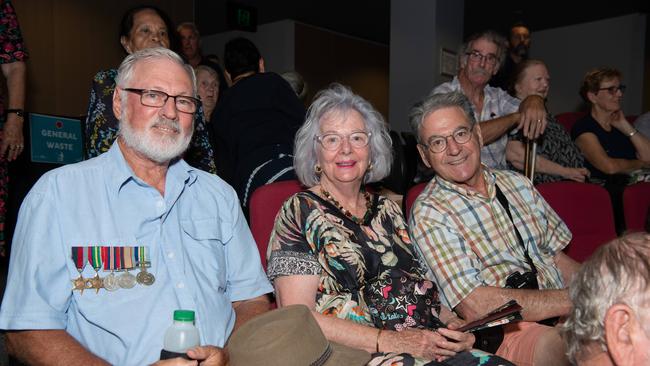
370,19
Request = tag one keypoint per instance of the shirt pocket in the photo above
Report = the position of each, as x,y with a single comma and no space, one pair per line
204,241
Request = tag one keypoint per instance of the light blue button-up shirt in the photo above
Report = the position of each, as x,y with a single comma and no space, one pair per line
497,103
202,252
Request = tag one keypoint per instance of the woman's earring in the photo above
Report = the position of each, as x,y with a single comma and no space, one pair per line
369,167
318,169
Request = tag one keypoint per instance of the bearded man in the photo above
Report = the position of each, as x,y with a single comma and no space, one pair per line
85,230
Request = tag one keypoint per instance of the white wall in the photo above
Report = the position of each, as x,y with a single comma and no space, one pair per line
571,51
275,41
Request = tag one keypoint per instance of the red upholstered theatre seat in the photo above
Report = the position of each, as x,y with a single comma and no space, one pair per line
265,204
636,203
567,119
411,195
587,211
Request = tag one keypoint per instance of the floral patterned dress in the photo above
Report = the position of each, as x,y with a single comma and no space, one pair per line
555,145
312,237
13,50
102,126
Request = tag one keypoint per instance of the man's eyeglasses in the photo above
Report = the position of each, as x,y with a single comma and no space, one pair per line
333,141
476,56
613,89
157,98
438,144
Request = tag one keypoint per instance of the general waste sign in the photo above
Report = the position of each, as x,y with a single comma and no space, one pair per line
55,139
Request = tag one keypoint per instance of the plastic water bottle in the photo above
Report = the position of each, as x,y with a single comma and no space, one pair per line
180,336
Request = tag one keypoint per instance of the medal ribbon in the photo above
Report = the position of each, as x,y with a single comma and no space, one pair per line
117,255
136,256
107,260
79,257
95,257
127,257
142,256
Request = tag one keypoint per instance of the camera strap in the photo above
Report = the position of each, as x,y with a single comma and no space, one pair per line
504,203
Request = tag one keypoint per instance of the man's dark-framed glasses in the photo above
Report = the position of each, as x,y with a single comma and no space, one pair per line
614,88
157,98
438,144
333,141
476,56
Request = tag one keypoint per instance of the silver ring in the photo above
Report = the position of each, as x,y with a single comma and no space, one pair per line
539,121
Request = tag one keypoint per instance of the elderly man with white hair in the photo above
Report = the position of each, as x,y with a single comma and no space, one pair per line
136,208
610,321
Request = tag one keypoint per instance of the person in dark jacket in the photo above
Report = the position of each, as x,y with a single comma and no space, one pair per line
254,125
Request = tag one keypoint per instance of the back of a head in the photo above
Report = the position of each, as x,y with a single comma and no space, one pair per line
617,273
296,82
241,56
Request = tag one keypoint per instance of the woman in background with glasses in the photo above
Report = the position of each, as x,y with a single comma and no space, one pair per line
612,147
141,27
334,244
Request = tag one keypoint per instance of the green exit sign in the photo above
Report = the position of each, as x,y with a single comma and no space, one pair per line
241,17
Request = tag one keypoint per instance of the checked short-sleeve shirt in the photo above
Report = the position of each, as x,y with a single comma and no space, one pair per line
467,240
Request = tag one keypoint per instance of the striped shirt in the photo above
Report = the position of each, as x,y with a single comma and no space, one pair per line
497,103
467,240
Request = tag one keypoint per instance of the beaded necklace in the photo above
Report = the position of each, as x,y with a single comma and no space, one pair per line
347,213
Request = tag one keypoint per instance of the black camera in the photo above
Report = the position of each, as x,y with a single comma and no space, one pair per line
526,280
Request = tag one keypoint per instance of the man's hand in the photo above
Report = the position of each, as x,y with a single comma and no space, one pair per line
201,355
209,355
532,116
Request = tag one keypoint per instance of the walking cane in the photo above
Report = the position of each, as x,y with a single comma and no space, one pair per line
529,159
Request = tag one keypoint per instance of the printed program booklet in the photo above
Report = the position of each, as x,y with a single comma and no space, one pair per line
507,313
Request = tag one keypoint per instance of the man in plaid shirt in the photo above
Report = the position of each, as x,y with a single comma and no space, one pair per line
471,245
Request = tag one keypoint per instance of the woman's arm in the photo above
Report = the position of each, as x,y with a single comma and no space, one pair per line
596,155
301,289
515,154
640,142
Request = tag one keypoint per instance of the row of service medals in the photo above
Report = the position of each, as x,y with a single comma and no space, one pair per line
111,259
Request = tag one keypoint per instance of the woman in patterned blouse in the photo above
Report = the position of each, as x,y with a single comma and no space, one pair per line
558,157
141,27
330,241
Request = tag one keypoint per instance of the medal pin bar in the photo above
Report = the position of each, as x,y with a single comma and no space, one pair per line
79,257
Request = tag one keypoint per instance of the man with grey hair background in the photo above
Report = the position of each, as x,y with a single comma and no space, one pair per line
481,57
610,320
137,207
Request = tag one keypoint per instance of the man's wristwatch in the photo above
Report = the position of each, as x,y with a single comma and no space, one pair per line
19,112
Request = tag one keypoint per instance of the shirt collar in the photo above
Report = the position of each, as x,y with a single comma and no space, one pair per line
490,181
121,173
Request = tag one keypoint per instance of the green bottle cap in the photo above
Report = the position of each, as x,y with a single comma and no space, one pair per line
184,315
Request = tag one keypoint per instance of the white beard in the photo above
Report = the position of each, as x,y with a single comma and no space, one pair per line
160,148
